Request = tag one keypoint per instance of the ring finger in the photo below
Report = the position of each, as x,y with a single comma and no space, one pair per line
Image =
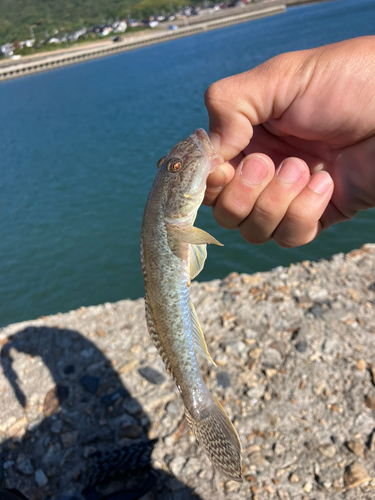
272,204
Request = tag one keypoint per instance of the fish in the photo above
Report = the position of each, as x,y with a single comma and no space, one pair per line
173,252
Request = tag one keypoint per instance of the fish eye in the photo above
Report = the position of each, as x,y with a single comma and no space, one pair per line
174,165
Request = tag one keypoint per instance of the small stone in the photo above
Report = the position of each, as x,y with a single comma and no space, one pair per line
372,442
361,365
231,486
316,310
173,408
237,349
132,406
269,489
274,420
283,495
40,478
337,486
250,478
372,370
131,431
301,346
69,438
25,467
56,426
307,487
108,399
54,398
278,448
293,478
270,372
251,449
317,294
90,383
356,447
69,369
255,392
370,401
256,458
355,475
328,450
255,353
177,464
151,375
267,396
223,380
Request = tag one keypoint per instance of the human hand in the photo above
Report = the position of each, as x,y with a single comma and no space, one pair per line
298,137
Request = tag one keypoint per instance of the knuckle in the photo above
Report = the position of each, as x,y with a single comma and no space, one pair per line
266,213
212,94
235,206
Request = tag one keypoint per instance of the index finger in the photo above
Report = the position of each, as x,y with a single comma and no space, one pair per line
217,181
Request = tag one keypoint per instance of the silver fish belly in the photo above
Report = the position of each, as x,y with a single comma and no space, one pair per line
173,252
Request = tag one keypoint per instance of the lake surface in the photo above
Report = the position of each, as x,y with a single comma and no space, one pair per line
79,147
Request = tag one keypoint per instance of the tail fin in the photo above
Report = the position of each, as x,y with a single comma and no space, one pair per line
219,440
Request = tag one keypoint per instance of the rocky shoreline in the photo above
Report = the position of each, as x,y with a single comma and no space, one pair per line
295,354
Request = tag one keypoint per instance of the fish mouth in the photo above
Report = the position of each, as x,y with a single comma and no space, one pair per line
203,141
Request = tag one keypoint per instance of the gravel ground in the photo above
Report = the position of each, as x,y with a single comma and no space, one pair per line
295,354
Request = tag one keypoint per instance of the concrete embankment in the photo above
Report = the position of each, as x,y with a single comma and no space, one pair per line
294,349
25,66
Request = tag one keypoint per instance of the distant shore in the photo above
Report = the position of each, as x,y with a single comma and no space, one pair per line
44,61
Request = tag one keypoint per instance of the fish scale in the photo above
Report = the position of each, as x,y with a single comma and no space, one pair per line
173,252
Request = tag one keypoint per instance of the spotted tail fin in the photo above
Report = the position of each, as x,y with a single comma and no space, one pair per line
219,440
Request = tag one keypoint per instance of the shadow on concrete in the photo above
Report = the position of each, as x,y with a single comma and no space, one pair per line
76,440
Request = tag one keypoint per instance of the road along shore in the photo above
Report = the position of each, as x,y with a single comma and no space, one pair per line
33,64
294,349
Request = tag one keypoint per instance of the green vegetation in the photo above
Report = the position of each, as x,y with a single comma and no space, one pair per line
46,17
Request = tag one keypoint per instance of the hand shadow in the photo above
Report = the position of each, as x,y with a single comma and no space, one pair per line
72,446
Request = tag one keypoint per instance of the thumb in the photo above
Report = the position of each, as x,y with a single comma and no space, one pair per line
238,103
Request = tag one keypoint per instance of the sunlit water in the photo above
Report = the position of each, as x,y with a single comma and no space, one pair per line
79,147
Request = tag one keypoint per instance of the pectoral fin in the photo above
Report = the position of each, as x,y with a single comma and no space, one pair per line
197,334
193,235
198,256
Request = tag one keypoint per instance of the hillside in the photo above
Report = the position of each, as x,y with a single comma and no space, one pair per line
45,17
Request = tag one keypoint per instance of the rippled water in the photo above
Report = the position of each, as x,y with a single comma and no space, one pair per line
78,152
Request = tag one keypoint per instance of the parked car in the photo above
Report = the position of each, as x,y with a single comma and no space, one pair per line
173,27
116,39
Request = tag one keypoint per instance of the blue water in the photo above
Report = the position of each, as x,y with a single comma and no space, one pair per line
79,147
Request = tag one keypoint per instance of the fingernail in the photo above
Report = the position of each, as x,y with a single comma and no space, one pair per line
320,182
217,179
289,171
215,140
254,170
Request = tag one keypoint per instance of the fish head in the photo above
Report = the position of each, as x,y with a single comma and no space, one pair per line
185,170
